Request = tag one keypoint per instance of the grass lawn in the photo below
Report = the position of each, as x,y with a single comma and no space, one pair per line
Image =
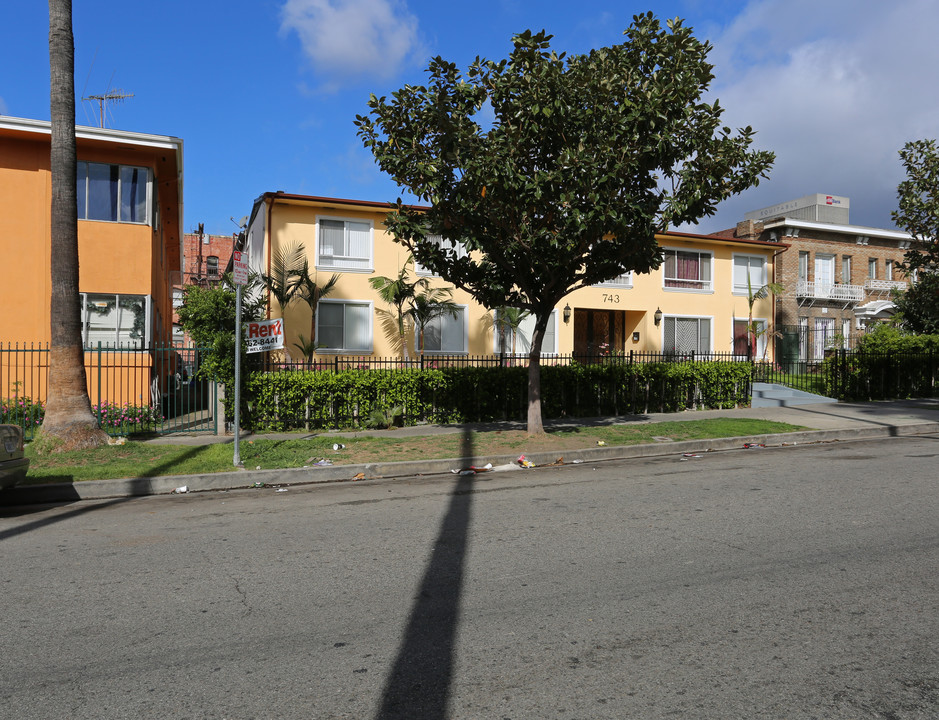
141,459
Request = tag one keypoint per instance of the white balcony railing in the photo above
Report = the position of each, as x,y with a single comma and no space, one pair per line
886,284
829,291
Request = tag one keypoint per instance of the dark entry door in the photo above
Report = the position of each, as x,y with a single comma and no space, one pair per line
598,332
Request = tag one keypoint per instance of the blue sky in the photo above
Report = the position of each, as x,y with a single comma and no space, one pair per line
264,93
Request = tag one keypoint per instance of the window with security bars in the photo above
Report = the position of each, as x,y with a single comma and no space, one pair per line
445,244
686,335
687,270
344,244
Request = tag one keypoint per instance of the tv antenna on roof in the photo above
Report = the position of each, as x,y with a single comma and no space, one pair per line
110,96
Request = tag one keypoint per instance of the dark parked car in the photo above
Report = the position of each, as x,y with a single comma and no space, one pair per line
13,464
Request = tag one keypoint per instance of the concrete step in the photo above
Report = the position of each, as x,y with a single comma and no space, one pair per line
775,395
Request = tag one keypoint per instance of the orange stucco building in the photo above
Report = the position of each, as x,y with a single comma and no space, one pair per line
130,192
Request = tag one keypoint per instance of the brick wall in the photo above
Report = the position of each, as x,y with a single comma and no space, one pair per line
196,252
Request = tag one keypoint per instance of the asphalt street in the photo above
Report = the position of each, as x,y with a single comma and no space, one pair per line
794,582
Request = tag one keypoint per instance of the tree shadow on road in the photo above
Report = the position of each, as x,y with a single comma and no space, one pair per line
420,680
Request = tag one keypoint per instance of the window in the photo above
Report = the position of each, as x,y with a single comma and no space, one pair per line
803,265
888,270
624,280
519,342
752,268
687,270
211,266
803,338
447,244
345,244
344,326
872,268
116,193
742,339
846,269
684,335
446,333
115,320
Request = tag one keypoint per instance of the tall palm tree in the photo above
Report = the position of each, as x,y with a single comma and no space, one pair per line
428,306
400,293
69,421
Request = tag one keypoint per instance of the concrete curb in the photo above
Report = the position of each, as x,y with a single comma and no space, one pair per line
241,479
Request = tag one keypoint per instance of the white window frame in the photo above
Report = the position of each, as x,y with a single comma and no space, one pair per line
741,289
707,286
888,269
699,318
463,319
872,268
846,269
83,188
523,337
621,281
438,239
368,260
760,340
371,327
804,265
117,343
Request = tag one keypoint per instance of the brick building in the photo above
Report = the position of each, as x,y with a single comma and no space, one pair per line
205,258
837,277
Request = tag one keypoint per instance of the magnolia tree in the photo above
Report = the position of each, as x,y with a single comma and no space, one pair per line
546,172
918,214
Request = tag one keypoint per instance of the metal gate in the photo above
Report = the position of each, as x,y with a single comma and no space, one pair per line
132,390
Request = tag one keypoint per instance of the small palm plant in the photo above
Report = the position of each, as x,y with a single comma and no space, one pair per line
754,331
400,292
507,321
287,267
427,307
311,292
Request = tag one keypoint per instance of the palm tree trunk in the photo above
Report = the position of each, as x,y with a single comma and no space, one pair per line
68,416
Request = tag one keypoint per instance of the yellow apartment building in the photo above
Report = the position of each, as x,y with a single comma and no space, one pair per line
696,302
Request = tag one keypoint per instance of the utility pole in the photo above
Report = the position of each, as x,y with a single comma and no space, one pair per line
110,96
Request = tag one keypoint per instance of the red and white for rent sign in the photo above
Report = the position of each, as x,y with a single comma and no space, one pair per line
265,335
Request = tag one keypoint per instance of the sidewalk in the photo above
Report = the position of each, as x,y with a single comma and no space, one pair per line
827,422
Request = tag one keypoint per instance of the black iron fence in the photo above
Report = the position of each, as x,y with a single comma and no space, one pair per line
341,363
863,376
131,390
362,391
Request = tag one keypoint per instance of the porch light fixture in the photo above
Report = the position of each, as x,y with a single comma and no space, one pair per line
657,316
567,313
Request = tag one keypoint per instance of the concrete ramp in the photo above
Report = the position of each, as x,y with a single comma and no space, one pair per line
774,395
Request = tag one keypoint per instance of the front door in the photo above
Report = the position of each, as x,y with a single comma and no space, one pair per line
599,332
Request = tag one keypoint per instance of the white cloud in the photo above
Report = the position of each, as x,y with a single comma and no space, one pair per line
345,39
835,89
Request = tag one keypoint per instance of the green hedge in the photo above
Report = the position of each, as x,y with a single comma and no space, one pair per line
887,364
320,399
